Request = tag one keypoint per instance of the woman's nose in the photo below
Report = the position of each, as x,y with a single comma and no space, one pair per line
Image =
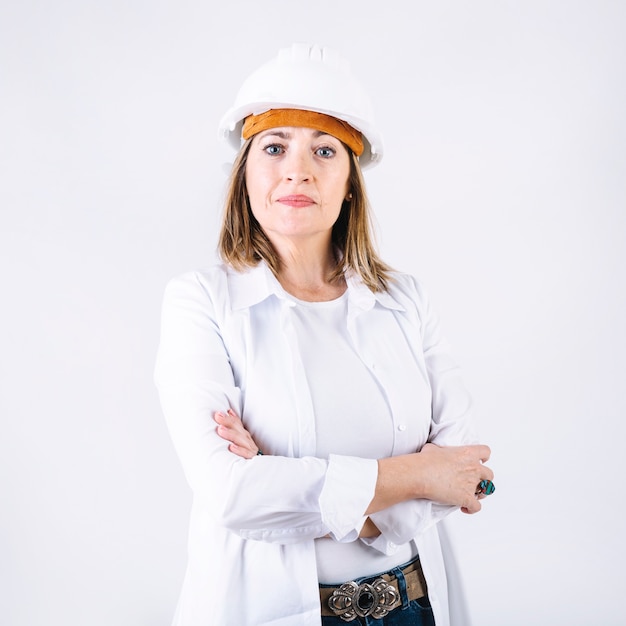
298,166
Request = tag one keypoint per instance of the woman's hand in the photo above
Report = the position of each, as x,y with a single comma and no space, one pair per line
231,428
447,475
456,473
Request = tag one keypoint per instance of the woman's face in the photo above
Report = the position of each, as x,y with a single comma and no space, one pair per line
297,179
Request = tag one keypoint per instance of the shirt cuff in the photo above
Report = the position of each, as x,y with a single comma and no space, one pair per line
405,521
381,544
347,492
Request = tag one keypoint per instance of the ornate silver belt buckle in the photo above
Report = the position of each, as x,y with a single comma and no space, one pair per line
351,600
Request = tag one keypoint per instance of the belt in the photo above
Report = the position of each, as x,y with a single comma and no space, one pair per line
376,596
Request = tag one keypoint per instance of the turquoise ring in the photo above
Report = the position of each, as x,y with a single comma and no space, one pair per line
486,487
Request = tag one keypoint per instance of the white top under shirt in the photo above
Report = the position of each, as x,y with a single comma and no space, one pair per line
352,417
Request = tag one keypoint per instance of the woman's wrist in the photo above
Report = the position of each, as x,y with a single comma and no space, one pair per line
400,478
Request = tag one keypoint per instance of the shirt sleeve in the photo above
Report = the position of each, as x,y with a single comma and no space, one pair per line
451,425
268,498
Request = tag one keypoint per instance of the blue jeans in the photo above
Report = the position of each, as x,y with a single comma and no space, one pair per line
409,613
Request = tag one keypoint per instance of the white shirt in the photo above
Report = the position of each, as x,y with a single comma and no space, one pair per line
228,339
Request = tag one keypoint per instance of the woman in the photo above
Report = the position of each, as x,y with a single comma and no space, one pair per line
337,368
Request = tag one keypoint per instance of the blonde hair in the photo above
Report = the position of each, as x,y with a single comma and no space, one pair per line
243,244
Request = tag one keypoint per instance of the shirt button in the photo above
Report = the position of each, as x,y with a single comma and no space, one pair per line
401,427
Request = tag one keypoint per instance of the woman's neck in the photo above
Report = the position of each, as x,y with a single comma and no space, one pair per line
308,275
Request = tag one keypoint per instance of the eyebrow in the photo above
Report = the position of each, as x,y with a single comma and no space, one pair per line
272,132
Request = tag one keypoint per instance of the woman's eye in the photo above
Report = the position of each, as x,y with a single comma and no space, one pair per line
273,149
325,152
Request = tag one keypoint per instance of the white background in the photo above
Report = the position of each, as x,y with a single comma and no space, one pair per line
502,189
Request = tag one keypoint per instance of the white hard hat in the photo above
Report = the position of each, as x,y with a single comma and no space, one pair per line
311,78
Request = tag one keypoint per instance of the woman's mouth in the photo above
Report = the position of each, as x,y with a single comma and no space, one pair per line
296,200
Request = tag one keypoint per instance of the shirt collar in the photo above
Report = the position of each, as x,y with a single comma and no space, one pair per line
252,286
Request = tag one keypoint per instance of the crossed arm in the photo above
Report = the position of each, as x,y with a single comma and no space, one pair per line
446,475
